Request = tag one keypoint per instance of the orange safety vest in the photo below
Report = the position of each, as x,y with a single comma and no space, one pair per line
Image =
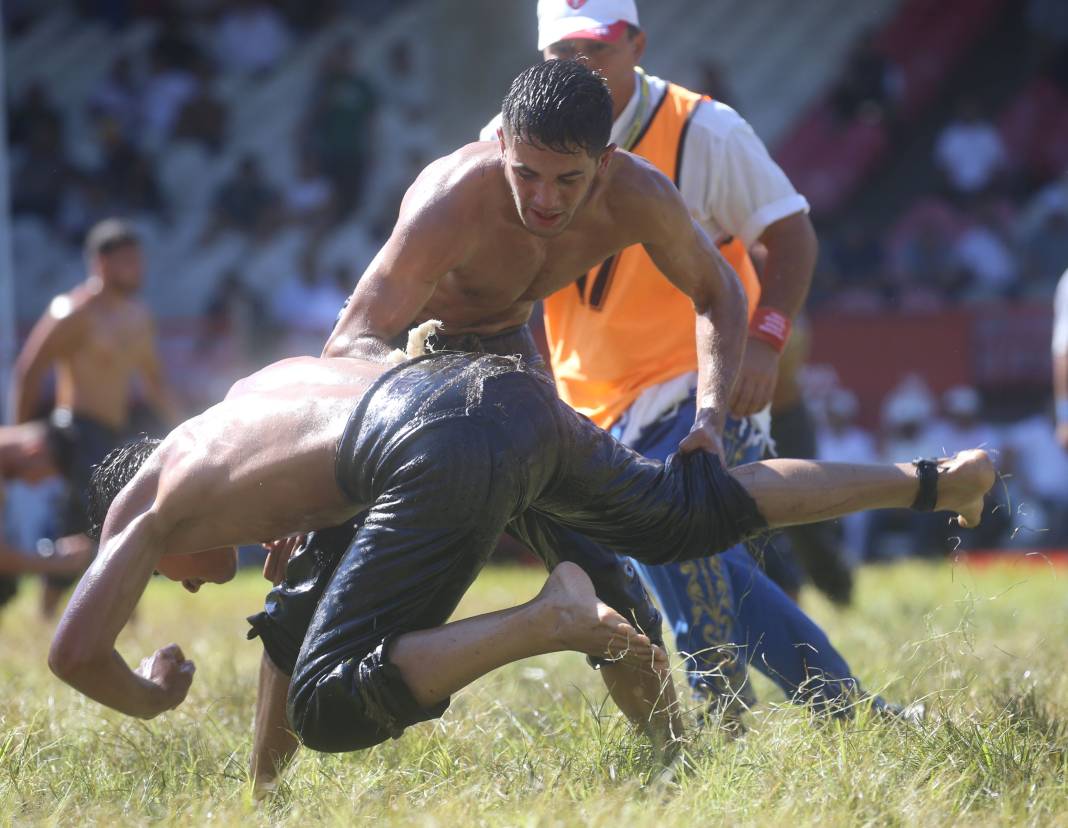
623,327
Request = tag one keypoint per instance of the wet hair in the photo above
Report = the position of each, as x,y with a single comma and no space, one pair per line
111,476
559,105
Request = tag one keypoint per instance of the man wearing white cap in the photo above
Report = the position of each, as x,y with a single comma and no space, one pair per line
623,350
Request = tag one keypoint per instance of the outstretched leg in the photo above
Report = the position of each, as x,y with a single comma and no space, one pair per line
789,492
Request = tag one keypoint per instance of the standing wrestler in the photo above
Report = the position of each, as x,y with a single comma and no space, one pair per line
486,232
441,452
98,337
622,352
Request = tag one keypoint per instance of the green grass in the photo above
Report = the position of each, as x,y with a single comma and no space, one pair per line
536,743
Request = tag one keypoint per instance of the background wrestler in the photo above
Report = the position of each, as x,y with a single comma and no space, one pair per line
26,455
99,338
445,450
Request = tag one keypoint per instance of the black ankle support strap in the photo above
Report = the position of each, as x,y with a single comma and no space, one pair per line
927,496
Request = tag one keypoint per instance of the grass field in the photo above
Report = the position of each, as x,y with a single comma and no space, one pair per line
536,743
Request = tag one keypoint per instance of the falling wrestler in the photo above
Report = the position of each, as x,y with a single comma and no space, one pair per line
442,452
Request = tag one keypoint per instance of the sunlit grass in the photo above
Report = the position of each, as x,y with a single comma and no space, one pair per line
536,743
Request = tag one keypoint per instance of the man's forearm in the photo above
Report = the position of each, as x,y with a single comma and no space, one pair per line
24,396
108,680
792,248
721,333
371,348
274,741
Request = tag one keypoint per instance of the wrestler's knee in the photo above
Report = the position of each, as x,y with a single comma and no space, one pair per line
356,704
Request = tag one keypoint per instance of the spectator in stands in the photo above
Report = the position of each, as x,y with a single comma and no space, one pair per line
984,252
169,86
338,124
86,201
41,173
128,175
35,114
870,83
926,259
841,440
714,83
305,307
857,255
116,98
309,199
1042,237
203,118
246,202
961,423
1035,469
250,37
969,151
907,414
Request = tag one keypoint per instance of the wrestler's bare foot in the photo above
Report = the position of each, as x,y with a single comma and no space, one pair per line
575,620
963,480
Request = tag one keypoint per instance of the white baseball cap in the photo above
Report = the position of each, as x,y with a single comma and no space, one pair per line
583,20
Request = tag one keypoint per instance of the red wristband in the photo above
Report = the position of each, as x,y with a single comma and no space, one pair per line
770,326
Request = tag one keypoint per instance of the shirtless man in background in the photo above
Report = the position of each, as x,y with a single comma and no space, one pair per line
98,337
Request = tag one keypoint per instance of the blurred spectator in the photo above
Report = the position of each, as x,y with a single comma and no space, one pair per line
309,199
41,174
169,86
246,202
907,414
870,83
1036,469
1042,236
985,253
962,427
128,175
250,37
714,84
116,98
338,124
86,201
233,339
927,258
969,151
841,440
203,118
857,254
306,306
35,117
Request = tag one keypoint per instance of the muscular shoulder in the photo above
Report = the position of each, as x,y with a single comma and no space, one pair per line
456,182
640,196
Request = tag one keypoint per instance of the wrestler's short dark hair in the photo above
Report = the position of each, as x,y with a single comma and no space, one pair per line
111,476
559,105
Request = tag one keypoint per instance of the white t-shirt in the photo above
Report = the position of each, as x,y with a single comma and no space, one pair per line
969,154
731,184
1060,317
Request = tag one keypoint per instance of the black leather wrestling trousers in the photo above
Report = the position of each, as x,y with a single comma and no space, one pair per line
450,450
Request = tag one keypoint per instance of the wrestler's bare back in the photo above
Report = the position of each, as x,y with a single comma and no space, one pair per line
256,467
